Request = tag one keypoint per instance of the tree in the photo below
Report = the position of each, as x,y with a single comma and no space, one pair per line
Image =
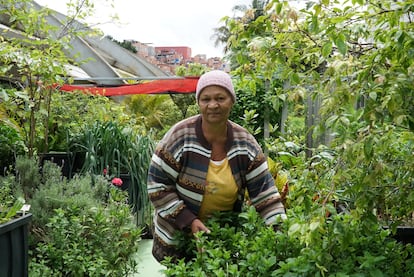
33,59
185,101
356,57
127,44
153,112
222,33
33,64
263,117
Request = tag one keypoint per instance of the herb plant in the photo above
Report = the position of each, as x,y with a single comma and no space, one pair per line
80,229
303,245
11,199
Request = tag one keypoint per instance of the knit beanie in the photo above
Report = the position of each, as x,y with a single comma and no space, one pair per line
217,78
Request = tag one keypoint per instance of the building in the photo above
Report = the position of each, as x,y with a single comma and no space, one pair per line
168,58
184,51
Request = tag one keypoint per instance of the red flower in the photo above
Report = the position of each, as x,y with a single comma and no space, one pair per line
117,182
105,171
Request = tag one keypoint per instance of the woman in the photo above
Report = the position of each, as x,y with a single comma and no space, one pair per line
204,164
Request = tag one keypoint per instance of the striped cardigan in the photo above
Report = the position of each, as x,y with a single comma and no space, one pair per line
177,176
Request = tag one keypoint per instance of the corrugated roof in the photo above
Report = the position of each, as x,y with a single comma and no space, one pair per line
107,61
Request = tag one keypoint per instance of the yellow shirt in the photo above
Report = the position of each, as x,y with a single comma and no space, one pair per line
221,189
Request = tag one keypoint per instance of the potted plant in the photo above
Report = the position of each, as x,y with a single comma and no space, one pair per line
68,212
116,150
242,245
375,177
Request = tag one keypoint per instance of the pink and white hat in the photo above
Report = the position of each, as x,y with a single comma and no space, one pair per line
215,78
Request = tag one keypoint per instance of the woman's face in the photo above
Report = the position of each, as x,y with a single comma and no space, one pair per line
215,104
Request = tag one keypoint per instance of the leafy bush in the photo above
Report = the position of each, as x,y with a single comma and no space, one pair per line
106,145
81,229
11,146
69,114
154,112
58,193
28,175
11,198
116,149
378,167
101,241
330,246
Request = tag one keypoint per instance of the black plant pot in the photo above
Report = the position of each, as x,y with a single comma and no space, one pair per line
78,160
126,181
14,245
405,234
62,159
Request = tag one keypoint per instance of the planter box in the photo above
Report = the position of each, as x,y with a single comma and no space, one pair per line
14,247
62,159
70,162
126,181
405,234
78,160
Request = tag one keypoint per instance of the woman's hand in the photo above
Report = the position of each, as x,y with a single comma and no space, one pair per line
198,226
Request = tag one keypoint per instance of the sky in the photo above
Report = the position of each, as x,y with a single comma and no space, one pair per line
188,23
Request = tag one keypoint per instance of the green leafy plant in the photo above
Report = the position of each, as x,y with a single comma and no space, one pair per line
154,112
72,221
28,174
34,62
345,70
138,162
11,146
35,71
116,149
78,245
376,175
70,113
56,192
11,199
106,145
306,244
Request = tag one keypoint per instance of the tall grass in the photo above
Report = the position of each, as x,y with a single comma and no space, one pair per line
138,161
120,150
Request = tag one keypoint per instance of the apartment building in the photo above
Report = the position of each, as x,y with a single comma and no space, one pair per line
168,58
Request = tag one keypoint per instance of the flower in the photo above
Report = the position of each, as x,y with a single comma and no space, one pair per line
117,182
105,171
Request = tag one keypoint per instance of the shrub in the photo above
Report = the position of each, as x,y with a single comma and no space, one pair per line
101,241
330,246
82,229
11,198
115,149
28,175
11,145
58,193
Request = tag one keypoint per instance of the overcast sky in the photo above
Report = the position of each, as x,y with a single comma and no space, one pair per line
163,22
